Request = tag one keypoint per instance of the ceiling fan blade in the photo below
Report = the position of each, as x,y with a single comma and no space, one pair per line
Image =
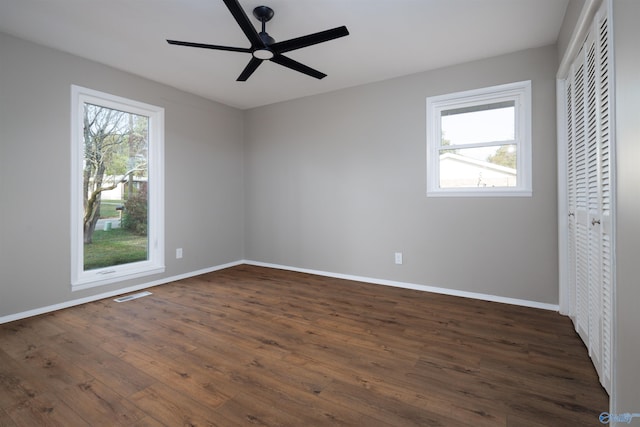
249,69
308,40
245,24
209,46
295,65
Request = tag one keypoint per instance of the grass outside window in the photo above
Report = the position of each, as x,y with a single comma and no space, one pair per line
114,247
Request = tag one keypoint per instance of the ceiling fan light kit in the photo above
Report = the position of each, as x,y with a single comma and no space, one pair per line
263,54
264,47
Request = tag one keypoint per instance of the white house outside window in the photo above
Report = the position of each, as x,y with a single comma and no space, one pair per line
479,142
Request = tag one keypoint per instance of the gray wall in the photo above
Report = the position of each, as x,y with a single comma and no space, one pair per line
204,176
627,314
568,24
336,182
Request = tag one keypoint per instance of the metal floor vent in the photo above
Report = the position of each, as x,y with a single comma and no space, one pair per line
132,296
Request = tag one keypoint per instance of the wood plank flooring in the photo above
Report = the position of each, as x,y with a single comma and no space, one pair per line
256,346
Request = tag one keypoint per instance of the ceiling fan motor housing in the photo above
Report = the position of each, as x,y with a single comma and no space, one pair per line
266,38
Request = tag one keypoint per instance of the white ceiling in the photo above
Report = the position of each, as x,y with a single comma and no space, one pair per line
388,38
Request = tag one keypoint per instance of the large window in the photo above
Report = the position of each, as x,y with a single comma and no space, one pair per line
117,195
479,142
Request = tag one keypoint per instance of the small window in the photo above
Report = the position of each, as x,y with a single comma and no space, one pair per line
479,142
117,195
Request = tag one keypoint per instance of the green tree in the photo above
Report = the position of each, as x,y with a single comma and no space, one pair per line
135,212
109,136
446,142
504,156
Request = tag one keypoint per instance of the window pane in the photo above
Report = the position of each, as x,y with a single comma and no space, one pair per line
115,180
480,123
478,167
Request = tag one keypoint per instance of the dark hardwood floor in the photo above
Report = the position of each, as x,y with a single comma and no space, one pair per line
257,346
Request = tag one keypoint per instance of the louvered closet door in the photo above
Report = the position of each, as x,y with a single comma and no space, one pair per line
578,212
589,195
594,242
602,225
571,200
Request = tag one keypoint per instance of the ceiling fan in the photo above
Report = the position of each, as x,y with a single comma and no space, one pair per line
264,47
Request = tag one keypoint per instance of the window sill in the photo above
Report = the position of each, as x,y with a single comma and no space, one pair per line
479,193
114,274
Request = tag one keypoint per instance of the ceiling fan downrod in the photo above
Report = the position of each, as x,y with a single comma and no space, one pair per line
264,14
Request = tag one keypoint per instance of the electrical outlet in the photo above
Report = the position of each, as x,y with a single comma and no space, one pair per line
178,253
398,257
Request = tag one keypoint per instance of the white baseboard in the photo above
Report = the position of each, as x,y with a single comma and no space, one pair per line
67,304
425,288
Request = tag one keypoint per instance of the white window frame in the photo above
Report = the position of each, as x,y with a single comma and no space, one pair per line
81,279
520,93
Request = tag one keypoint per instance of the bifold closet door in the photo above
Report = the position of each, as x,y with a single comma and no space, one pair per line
602,225
578,199
589,195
